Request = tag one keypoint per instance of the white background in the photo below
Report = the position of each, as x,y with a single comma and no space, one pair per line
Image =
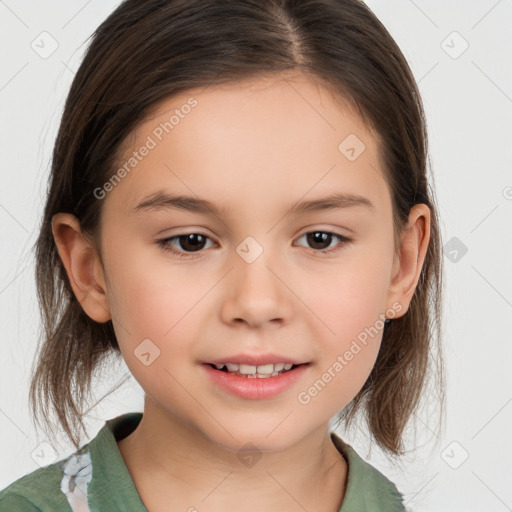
468,102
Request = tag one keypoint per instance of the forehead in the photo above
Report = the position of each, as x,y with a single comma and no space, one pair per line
266,136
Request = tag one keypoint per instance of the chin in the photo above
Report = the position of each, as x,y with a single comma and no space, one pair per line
264,436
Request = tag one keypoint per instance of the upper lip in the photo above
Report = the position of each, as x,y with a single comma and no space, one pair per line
255,360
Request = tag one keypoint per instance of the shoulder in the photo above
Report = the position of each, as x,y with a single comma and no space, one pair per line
37,491
70,484
58,487
11,502
50,488
368,490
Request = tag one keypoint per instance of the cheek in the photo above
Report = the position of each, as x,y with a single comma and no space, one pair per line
349,295
154,308
346,354
152,300
350,300
149,293
153,317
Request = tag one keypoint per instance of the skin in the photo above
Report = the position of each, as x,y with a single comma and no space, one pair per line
254,148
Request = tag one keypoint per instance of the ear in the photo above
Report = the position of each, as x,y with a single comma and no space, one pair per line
408,263
83,266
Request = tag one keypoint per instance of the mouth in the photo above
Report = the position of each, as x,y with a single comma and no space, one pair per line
264,371
255,378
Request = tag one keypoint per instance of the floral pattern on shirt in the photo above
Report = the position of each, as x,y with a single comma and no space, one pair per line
77,475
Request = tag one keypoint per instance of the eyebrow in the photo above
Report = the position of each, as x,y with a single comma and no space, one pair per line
163,200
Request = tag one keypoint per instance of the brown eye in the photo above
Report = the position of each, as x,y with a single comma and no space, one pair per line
183,244
321,240
192,242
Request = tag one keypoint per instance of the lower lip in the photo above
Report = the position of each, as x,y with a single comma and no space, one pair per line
255,388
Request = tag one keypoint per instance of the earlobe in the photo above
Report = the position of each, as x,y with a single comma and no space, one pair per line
83,266
408,264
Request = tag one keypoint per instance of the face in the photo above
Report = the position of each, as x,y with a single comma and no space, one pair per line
261,266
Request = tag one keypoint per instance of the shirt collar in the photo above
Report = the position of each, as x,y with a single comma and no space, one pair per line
367,489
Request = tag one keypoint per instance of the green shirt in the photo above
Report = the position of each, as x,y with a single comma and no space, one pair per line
96,479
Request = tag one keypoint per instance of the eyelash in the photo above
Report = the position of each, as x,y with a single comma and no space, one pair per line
165,244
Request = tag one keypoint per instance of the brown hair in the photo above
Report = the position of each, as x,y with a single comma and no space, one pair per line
143,53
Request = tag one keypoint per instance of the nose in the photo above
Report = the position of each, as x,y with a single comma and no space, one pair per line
257,293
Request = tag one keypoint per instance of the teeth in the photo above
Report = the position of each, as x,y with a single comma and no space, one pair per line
247,369
265,369
261,372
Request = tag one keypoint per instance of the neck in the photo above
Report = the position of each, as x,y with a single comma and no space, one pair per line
171,463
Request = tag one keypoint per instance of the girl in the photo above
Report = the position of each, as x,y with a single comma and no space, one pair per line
239,207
